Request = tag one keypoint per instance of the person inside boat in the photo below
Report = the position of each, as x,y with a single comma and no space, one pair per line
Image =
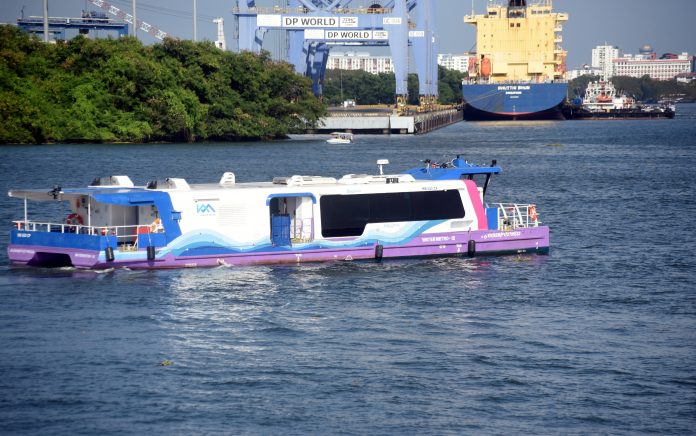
156,225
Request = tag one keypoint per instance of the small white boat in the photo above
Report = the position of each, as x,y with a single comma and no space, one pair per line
340,138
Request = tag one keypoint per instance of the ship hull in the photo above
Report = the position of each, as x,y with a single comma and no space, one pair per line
580,113
530,240
521,101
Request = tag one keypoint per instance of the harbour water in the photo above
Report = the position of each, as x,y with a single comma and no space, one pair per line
597,337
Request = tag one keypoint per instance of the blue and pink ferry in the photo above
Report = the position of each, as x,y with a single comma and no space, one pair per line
430,210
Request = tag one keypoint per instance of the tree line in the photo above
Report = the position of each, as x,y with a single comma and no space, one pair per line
643,89
118,90
367,88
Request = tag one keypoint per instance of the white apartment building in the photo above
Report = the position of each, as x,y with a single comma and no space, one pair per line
383,64
456,62
359,61
585,70
658,69
602,57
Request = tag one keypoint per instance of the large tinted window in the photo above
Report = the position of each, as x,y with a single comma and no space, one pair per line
347,215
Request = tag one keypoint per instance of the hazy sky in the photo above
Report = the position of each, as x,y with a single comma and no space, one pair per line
668,25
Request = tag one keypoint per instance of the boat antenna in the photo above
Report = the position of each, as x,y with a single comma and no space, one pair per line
380,164
488,179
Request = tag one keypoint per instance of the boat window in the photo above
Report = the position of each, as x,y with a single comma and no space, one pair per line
347,215
344,215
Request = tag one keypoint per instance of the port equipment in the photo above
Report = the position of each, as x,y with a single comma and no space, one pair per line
130,19
57,26
313,27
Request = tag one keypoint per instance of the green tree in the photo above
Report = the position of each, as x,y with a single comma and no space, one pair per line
449,85
119,90
577,86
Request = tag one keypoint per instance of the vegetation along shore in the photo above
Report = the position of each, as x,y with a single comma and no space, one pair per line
119,90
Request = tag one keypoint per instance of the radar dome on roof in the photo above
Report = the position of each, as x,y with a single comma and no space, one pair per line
647,48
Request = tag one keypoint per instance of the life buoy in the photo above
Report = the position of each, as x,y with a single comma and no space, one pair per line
74,220
532,213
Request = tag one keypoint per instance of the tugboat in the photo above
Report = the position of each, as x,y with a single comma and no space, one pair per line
435,209
602,101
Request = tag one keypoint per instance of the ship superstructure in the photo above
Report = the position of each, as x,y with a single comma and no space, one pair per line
520,65
519,42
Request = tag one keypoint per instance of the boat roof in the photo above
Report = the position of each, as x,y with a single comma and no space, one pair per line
457,168
454,169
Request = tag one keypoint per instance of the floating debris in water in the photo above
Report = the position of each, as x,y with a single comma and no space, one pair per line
555,144
166,362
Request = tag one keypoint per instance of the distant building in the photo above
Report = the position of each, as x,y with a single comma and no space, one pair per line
585,70
686,77
609,62
646,64
463,62
360,61
602,57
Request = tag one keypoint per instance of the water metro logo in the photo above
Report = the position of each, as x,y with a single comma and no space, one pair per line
205,209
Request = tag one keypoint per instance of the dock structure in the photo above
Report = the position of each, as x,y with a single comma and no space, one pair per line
57,26
385,120
311,28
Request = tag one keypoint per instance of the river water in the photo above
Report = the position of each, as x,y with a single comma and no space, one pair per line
597,337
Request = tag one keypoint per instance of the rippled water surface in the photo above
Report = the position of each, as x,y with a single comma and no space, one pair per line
597,337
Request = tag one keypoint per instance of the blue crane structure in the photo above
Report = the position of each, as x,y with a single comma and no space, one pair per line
312,27
89,21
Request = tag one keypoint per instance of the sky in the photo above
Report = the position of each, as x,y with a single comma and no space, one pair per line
667,25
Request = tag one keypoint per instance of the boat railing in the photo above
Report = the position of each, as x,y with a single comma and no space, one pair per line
124,234
516,215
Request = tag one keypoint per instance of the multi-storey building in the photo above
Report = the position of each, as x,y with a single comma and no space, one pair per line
585,70
602,57
647,65
463,62
610,63
360,61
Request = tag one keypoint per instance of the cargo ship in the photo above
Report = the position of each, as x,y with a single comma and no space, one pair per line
519,69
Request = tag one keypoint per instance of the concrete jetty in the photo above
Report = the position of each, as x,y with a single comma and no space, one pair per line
386,120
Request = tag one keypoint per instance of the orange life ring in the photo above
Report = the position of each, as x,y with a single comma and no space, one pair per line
532,213
74,219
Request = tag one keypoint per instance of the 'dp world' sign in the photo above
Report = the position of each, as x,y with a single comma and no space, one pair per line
346,35
304,22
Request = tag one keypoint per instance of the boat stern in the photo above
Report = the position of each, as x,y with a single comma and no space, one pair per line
57,249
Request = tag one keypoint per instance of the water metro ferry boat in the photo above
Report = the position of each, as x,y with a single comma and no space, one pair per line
431,210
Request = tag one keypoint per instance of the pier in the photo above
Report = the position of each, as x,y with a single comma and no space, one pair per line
385,120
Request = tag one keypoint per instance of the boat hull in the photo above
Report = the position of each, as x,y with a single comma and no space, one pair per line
533,240
519,101
580,113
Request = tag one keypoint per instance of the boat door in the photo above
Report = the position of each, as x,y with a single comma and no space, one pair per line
291,218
